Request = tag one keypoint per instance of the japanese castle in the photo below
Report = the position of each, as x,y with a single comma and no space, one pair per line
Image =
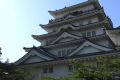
82,31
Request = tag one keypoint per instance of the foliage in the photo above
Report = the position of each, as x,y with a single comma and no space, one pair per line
61,78
9,71
101,69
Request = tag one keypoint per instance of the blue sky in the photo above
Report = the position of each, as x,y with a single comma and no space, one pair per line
19,19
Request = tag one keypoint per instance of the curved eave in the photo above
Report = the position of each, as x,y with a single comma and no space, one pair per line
44,27
27,49
66,60
113,31
84,15
95,2
76,41
37,37
40,37
41,25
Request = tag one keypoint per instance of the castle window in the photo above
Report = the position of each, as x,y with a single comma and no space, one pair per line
68,51
93,33
70,68
64,52
48,69
44,70
89,34
84,34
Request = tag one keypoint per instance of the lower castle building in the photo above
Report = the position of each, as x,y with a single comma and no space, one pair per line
82,31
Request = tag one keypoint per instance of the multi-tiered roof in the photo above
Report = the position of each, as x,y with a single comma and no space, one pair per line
77,31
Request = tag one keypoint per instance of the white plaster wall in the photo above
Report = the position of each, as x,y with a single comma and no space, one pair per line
48,40
114,38
92,19
118,40
33,59
95,19
100,31
58,71
104,42
66,39
88,49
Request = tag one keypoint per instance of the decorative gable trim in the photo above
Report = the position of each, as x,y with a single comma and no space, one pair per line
37,53
66,27
87,43
64,35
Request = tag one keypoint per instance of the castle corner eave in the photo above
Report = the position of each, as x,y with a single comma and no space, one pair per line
95,2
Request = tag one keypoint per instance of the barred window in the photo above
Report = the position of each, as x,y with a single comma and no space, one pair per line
70,68
89,34
48,69
93,33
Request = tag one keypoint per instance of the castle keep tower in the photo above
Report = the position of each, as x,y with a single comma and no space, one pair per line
82,31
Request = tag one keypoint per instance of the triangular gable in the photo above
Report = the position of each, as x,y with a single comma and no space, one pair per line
88,49
30,55
65,35
88,43
33,59
66,27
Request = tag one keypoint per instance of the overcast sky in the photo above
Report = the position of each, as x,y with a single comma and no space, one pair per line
19,19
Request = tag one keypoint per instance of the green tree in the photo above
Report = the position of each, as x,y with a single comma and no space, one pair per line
102,68
9,71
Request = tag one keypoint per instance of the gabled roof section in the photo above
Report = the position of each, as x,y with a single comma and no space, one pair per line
72,26
39,52
114,35
95,2
65,35
88,43
27,49
114,30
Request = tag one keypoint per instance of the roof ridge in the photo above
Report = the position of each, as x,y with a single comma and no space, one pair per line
44,52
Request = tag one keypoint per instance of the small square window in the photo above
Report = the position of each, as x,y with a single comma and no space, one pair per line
45,70
88,34
93,33
84,34
70,68
50,69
